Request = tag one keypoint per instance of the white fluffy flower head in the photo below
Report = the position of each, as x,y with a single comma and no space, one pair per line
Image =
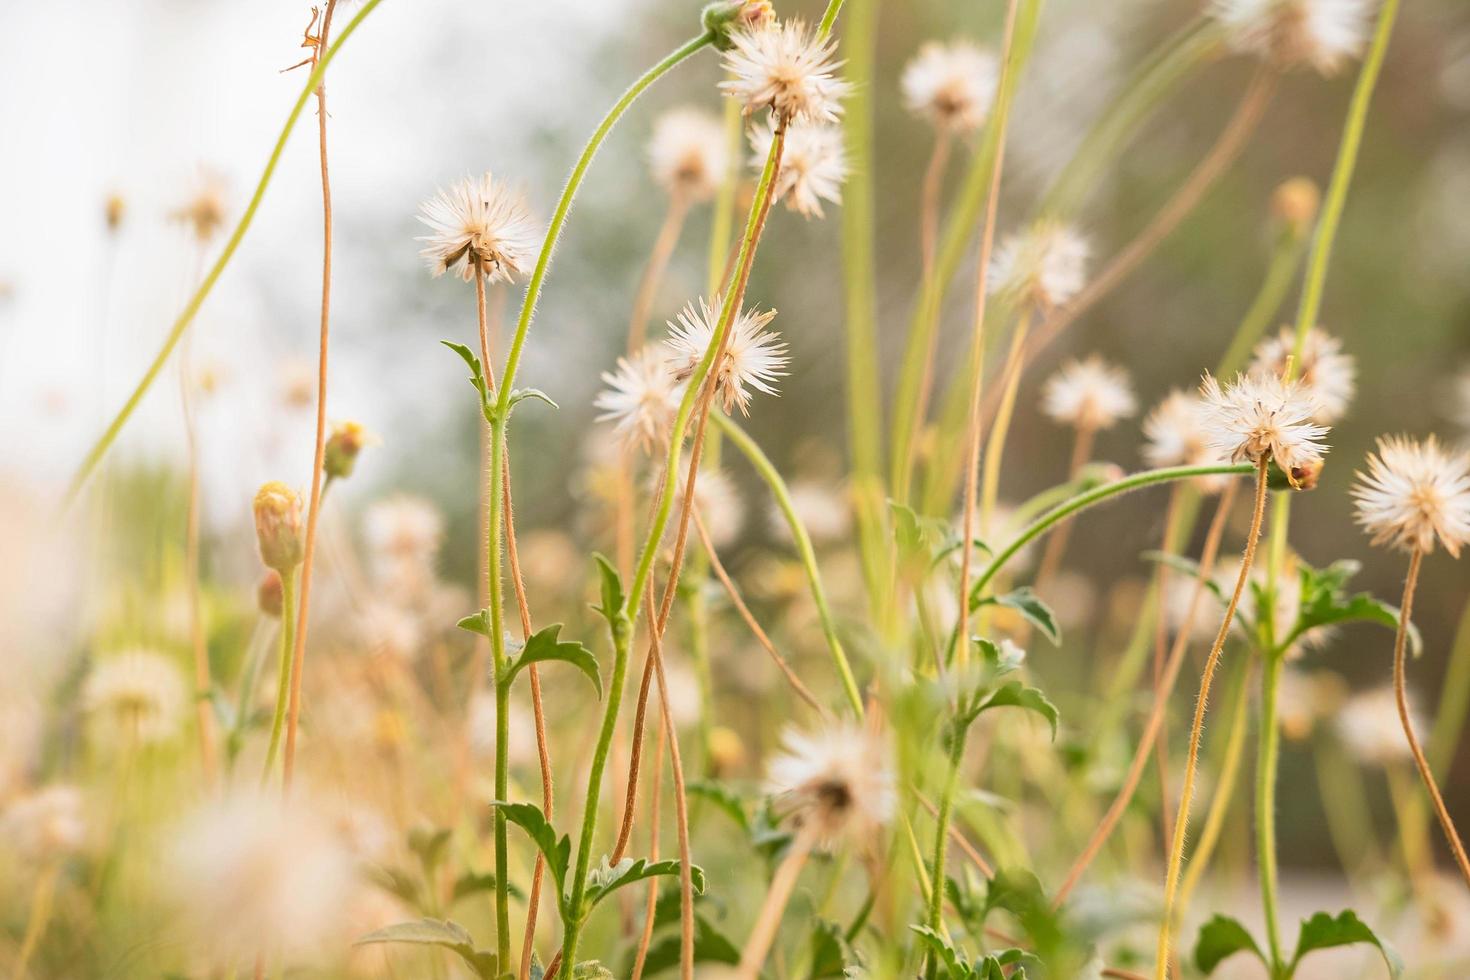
641,399
46,824
787,69
754,357
688,153
1176,437
140,692
1090,394
813,165
1046,264
1324,34
1369,724
717,500
478,226
1262,416
1414,493
951,85
1324,370
838,782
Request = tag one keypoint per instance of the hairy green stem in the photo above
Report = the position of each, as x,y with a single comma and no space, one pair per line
1268,751
804,550
941,831
283,685
176,332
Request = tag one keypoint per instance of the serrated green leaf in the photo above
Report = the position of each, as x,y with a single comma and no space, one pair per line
558,851
429,844
1221,938
831,952
1019,892
611,589
1017,695
438,932
722,797
950,959
591,970
1324,602
1323,931
710,946
605,880
476,623
545,646
1031,607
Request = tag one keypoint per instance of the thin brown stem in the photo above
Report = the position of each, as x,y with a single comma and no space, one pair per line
750,621
1056,547
1161,652
313,514
640,956
774,906
653,272
1401,695
1196,731
1156,716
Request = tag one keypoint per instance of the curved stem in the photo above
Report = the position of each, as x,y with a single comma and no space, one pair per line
1268,750
804,550
42,900
318,458
1097,495
176,332
1162,691
768,920
995,443
1196,732
1401,696
283,684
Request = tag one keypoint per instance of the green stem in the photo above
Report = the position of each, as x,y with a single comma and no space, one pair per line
804,550
941,831
283,686
1082,501
1280,271
1342,176
176,332
1268,750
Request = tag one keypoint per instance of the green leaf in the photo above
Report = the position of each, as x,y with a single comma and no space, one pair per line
1221,938
1325,602
529,818
1017,695
1019,892
397,883
521,394
476,623
722,797
475,883
603,881
1322,931
438,932
1029,605
429,843
545,646
710,946
612,590
952,960
831,952
999,659
477,375
591,970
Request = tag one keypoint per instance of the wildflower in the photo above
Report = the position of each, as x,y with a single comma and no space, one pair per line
1261,416
1306,699
754,357
821,509
724,16
1295,202
1370,726
1413,493
204,212
1088,395
813,165
1329,375
270,594
717,500
1321,33
46,824
1176,437
1046,264
479,227
253,873
688,153
278,527
787,69
641,399
404,527
839,782
952,85
342,449
139,691
297,383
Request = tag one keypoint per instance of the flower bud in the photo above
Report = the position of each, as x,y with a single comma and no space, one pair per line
1295,203
726,751
343,447
726,16
278,527
115,209
270,594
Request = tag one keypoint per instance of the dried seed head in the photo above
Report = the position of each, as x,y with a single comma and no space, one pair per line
1413,494
641,399
1088,395
952,85
838,782
813,165
1327,374
787,69
688,153
1176,437
1323,34
278,527
1045,264
1370,725
138,693
480,226
1261,416
754,357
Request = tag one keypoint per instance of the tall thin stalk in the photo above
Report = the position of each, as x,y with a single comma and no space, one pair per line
1268,749
283,683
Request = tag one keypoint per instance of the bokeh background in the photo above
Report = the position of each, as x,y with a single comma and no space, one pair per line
137,97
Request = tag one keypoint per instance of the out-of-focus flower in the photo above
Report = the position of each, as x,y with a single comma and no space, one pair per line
754,356
48,824
297,384
343,446
952,85
1369,724
1176,437
204,211
1046,265
813,165
1324,34
785,68
1307,698
403,531
726,751
1295,202
688,153
717,500
839,782
278,531
253,873
822,509
1263,416
640,400
1327,374
1413,494
1088,395
114,210
138,693
480,226
270,594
